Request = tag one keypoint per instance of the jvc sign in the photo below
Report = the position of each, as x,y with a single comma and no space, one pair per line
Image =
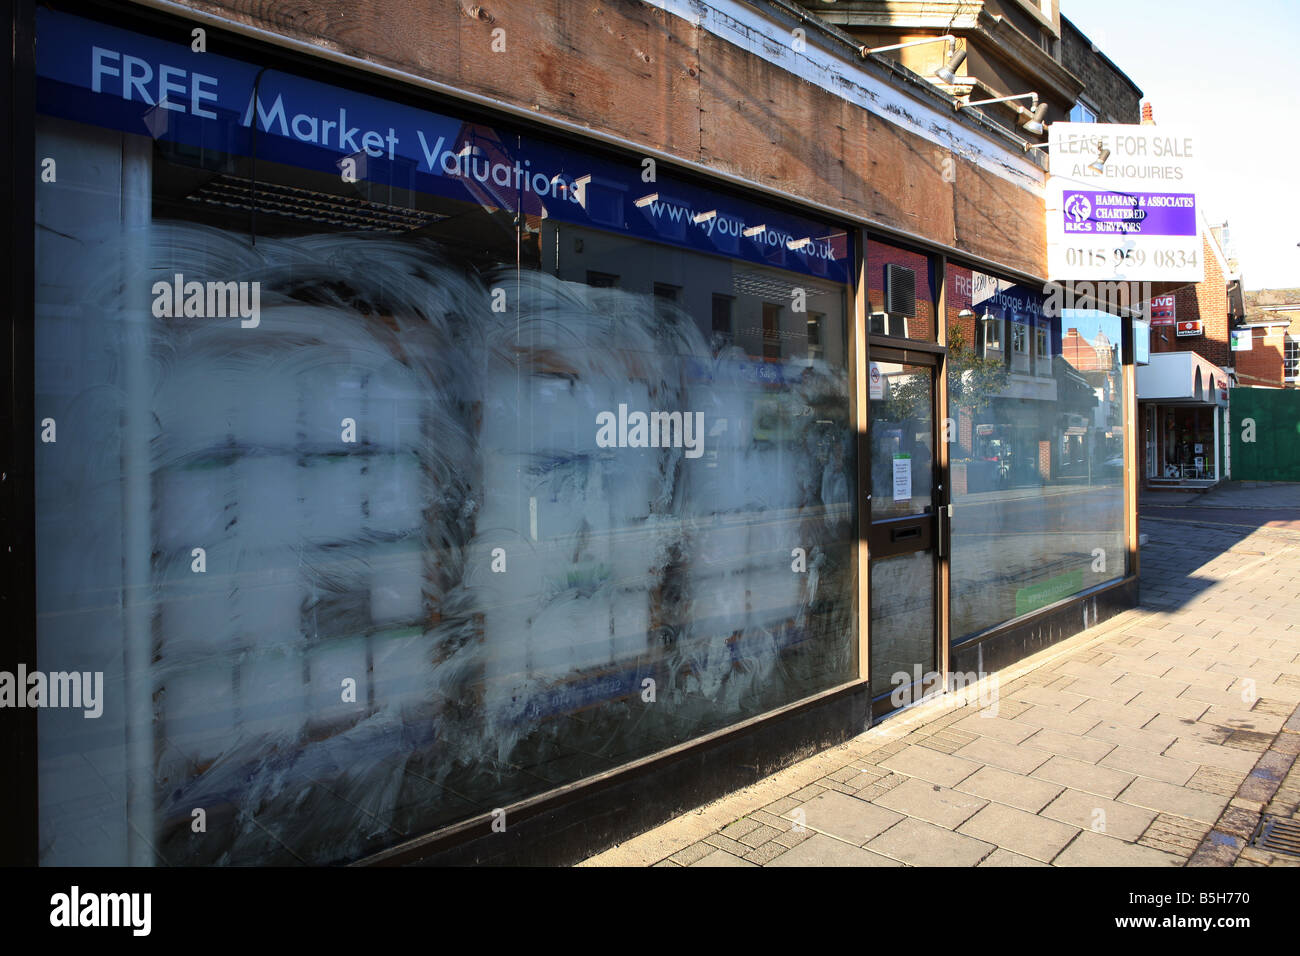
1121,204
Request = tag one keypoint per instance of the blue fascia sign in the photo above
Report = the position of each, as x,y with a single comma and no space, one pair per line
103,75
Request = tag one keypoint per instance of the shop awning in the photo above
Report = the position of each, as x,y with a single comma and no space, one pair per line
1182,377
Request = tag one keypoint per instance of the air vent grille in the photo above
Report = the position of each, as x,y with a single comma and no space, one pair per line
310,205
900,290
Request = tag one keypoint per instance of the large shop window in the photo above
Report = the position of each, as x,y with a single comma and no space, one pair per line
1036,398
406,466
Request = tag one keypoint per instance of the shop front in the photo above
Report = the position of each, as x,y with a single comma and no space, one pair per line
1184,406
426,483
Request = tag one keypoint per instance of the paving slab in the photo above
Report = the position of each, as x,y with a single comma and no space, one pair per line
1001,857
1095,849
848,818
1146,764
1144,739
1087,811
1078,775
918,843
1180,801
1011,789
932,803
1087,749
1036,837
722,858
931,765
997,753
821,850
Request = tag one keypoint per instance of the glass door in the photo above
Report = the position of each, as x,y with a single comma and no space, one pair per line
906,493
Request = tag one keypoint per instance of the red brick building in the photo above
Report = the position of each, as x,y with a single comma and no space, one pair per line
1183,391
1273,315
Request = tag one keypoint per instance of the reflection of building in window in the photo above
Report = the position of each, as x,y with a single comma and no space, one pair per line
664,294
990,331
900,292
815,335
722,330
1020,338
771,331
1042,352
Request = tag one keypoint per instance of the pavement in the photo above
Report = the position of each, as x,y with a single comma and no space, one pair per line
1163,737
1241,504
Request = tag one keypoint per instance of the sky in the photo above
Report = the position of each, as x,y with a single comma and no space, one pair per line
1227,74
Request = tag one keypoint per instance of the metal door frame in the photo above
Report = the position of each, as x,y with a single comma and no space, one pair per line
936,528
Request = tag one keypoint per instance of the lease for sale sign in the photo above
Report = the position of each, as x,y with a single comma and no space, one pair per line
1121,204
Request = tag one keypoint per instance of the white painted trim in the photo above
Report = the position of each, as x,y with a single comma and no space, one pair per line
748,28
1213,243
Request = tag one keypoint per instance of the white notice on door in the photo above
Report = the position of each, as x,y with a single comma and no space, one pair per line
875,383
902,478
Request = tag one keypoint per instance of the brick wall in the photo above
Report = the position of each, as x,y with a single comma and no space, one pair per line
1207,301
1262,363
1105,87
637,72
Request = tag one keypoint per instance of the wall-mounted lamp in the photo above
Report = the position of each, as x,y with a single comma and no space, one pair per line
1032,119
1098,165
948,72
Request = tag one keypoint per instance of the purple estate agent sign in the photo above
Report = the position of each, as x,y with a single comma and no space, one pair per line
1146,214
1121,204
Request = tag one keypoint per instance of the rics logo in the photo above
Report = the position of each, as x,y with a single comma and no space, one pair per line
1078,208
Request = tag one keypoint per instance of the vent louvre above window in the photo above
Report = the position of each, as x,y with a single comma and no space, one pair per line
900,290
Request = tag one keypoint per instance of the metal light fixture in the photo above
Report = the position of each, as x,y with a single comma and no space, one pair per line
948,72
1098,165
1032,119
1000,99
948,37
945,74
